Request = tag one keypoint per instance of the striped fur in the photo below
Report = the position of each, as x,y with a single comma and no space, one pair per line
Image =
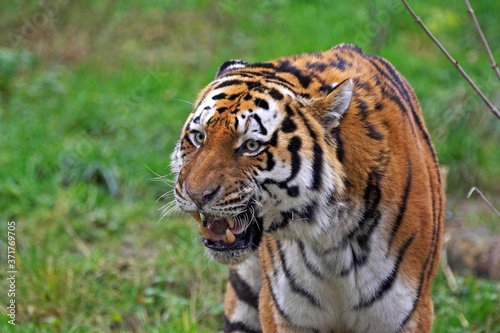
325,161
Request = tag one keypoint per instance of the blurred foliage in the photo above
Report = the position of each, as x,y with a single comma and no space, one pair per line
93,97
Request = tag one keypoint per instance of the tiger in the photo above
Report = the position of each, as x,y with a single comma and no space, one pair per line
314,178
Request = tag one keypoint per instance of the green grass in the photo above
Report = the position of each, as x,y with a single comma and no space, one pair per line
92,102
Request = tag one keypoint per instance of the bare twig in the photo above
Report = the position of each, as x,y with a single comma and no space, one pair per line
79,242
448,273
493,109
493,63
475,189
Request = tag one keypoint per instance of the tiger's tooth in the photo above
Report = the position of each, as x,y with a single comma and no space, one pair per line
205,232
230,237
197,216
230,221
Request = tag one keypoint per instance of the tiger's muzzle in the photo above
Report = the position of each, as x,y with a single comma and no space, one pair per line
228,233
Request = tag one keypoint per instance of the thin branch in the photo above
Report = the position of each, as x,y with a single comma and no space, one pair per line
448,273
79,242
493,63
475,189
493,109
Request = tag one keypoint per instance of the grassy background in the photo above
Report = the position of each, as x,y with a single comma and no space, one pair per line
92,98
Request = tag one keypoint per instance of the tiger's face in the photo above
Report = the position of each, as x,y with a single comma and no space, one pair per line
250,151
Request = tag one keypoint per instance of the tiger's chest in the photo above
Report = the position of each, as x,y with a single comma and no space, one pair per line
325,291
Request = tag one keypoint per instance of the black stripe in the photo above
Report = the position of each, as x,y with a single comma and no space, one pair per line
275,300
348,268
371,215
389,281
393,76
318,154
426,269
292,191
362,84
404,92
392,94
348,47
262,65
262,129
259,102
281,82
310,267
270,285
340,63
371,129
257,238
275,94
243,291
369,222
289,110
417,298
308,126
288,125
229,83
270,161
402,207
293,147
339,149
219,96
373,133
188,140
338,247
307,214
395,98
435,230
317,166
274,139
296,288
253,85
285,66
283,223
178,193
238,326
317,66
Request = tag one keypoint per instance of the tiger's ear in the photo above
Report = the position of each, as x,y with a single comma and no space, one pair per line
229,66
338,99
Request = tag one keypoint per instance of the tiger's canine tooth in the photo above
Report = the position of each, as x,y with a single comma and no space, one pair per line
197,216
205,232
230,237
230,221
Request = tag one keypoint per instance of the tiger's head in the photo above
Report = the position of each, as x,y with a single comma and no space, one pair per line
253,157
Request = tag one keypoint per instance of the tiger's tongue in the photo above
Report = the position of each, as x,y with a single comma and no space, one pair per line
217,227
218,230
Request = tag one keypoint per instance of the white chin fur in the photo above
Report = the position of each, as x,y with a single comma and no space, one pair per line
229,257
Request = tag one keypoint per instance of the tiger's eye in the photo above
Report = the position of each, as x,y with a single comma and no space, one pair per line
199,137
252,145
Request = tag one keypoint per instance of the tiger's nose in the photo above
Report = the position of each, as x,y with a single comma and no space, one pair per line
202,197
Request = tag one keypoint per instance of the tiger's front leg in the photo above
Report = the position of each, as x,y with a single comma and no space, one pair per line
241,303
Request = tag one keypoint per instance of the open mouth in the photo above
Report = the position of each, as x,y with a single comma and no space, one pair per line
224,233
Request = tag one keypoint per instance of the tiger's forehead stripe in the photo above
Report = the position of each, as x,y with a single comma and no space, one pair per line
265,96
